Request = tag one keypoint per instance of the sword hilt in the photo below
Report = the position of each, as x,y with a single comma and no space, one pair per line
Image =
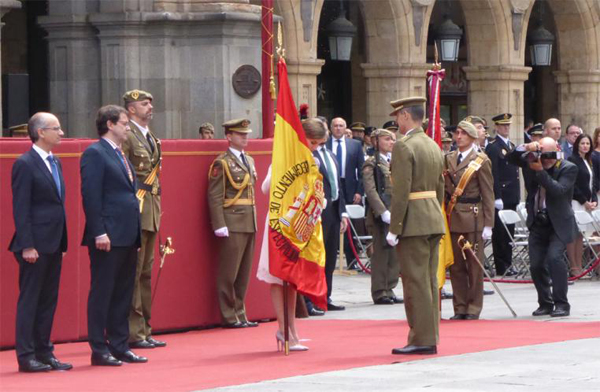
464,244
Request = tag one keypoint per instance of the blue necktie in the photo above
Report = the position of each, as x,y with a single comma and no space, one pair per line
54,173
338,154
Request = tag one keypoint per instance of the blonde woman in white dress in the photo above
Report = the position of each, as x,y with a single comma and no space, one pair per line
316,136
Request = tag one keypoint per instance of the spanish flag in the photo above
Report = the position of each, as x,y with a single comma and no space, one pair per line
296,250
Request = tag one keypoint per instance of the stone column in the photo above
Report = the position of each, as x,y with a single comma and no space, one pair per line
579,98
498,89
302,76
5,6
388,82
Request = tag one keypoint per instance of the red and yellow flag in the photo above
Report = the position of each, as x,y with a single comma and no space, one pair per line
296,250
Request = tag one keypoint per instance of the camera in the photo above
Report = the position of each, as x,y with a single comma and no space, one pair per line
533,156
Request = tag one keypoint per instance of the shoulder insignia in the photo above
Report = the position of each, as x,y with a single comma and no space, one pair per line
215,169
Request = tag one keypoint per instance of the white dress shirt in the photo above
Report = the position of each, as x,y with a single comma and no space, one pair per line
334,144
143,129
44,155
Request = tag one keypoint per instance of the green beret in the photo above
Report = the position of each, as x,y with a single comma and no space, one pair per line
469,129
136,96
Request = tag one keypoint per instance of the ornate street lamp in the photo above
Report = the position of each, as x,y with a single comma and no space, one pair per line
540,42
447,37
340,33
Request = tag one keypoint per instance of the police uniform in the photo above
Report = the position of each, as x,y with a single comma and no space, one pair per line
472,210
385,269
506,188
231,203
144,152
417,194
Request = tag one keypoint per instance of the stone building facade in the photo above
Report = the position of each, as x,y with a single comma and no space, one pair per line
186,51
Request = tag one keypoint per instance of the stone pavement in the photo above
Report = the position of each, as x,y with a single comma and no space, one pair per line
572,365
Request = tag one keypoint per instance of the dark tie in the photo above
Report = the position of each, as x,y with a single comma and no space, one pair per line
124,160
55,175
244,161
338,153
330,176
459,159
150,141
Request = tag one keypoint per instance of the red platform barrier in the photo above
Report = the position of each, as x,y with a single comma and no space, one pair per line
187,293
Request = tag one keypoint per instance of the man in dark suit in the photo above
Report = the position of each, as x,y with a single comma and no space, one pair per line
39,243
334,217
551,224
506,191
112,235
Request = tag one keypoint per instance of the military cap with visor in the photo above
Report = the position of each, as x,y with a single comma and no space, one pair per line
400,104
239,125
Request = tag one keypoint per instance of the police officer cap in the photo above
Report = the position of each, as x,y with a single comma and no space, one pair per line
391,125
136,96
358,126
400,104
537,129
239,125
502,119
384,132
469,128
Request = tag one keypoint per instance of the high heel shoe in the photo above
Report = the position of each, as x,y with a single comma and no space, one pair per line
293,347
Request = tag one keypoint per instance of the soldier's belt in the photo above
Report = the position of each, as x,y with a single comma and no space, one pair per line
469,200
238,202
155,190
422,195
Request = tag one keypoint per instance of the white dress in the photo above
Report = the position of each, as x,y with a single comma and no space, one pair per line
263,262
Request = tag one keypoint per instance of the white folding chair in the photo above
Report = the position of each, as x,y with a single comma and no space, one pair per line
584,221
520,245
357,211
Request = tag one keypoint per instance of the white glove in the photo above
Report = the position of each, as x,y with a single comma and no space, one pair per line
385,217
499,204
392,239
324,203
222,232
487,233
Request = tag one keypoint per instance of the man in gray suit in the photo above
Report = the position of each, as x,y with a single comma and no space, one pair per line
551,223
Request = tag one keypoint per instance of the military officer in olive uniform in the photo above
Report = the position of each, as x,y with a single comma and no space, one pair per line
469,189
385,268
233,217
417,224
507,189
143,149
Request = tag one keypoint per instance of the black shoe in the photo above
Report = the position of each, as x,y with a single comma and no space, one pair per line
384,301
332,306
397,300
55,364
542,311
471,317
130,357
315,312
156,343
425,350
511,272
488,292
458,317
237,324
141,344
250,324
105,360
33,366
560,312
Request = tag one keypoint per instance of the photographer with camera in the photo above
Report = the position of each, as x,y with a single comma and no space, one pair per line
550,220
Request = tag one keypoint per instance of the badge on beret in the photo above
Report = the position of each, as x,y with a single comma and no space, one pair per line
135,94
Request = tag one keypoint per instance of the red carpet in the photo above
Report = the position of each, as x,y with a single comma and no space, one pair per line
213,358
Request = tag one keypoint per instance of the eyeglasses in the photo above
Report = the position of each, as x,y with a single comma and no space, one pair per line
123,123
57,129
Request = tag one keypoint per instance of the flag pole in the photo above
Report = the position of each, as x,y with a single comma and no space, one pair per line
286,315
268,80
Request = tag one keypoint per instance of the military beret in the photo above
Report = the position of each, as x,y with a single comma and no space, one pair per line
239,125
136,96
391,125
447,138
207,125
358,126
425,123
537,129
400,104
469,128
475,120
384,132
503,119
